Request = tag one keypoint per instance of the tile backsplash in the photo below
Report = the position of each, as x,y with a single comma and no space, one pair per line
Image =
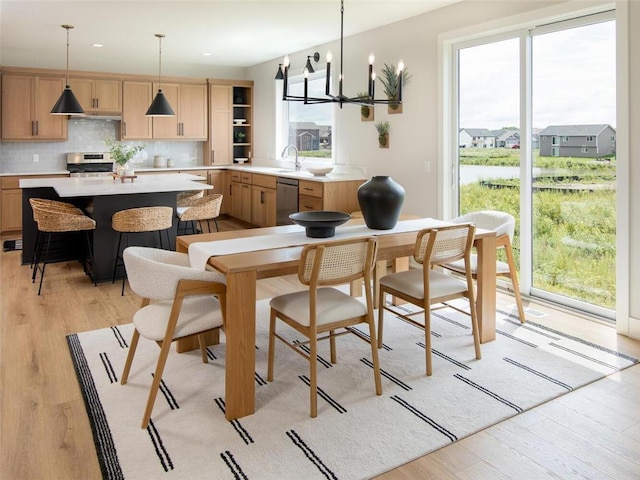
89,135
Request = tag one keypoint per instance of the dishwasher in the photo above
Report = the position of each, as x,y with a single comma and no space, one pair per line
286,199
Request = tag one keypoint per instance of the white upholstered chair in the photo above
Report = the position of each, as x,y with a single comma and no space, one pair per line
504,225
325,310
426,287
177,302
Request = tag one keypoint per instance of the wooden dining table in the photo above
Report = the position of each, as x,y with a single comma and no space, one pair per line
243,270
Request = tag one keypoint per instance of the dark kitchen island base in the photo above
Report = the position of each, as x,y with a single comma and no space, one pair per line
104,239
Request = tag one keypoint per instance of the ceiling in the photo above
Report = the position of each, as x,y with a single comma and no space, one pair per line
236,33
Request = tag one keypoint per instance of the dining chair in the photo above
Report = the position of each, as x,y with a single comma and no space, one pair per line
198,210
139,220
427,286
57,218
178,302
323,312
504,225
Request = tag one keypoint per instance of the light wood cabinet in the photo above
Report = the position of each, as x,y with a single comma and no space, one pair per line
11,202
136,98
98,95
263,200
241,196
220,181
27,101
230,121
337,196
189,102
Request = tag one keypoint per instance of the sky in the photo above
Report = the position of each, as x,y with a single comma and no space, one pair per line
573,80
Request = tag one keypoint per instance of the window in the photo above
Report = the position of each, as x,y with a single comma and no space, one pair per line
555,152
590,138
585,149
565,139
308,127
555,140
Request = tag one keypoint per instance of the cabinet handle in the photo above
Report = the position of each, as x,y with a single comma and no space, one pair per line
308,189
36,128
33,129
308,206
261,197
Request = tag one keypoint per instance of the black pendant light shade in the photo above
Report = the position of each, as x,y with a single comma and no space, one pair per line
279,75
67,104
160,106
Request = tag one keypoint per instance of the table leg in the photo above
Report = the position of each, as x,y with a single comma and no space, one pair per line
486,293
240,332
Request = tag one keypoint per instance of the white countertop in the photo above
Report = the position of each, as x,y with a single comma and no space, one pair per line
98,186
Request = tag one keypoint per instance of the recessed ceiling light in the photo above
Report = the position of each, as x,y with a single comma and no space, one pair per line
206,54
97,45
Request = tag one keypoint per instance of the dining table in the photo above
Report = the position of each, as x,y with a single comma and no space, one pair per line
245,266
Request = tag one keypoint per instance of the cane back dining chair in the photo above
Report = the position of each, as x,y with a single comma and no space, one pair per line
177,302
426,286
504,225
139,220
324,310
55,218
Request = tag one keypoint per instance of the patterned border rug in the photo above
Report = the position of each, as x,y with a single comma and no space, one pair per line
356,434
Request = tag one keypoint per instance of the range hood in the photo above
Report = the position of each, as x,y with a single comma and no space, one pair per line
112,117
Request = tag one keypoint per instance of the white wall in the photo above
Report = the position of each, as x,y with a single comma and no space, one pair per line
414,134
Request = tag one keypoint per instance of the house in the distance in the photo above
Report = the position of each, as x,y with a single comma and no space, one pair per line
507,137
587,141
476,137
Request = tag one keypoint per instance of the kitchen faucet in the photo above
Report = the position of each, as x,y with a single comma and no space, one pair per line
297,164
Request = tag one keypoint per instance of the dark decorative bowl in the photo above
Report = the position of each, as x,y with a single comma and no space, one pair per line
319,223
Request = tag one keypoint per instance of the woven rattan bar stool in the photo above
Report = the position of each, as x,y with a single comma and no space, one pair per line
199,209
139,220
51,204
58,218
185,199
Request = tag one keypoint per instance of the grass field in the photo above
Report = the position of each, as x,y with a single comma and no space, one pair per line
574,235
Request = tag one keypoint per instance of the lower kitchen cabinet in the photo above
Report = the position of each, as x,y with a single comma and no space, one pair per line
220,181
263,203
337,196
241,195
11,202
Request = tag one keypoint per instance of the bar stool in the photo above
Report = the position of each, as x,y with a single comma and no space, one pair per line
200,209
54,217
139,220
184,199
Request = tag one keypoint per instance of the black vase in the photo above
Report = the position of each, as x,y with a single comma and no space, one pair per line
381,200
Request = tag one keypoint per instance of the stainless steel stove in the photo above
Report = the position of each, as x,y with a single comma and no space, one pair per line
89,164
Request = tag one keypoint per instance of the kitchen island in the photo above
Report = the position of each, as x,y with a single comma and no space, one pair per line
101,197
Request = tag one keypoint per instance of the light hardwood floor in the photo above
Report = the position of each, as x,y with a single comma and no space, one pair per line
592,433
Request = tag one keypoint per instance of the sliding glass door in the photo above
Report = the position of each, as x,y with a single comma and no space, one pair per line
536,138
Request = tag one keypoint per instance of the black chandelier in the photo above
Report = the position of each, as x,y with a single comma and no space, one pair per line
341,99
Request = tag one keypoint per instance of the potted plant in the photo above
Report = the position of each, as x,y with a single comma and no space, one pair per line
389,79
383,134
121,154
239,136
366,111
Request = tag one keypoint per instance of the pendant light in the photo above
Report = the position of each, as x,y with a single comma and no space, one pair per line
67,104
160,106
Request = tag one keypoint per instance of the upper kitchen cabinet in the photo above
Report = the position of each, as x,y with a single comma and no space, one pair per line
98,95
230,121
136,98
27,101
189,102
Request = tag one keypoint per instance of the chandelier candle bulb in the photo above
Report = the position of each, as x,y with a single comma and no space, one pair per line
306,84
328,81
370,82
400,69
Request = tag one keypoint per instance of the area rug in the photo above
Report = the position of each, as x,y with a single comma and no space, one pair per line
356,434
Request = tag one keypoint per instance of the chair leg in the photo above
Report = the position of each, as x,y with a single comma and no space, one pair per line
208,226
332,346
513,275
427,338
313,374
44,262
381,297
93,269
203,347
272,345
155,385
130,355
115,265
374,355
38,255
215,220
